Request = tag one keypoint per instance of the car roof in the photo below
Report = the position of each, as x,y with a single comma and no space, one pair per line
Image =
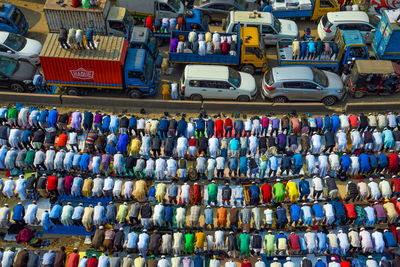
347,16
250,16
210,72
206,2
294,73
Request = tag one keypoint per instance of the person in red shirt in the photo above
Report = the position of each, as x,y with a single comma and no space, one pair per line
62,140
246,263
266,191
228,127
345,263
219,127
353,120
51,187
294,243
196,194
73,259
395,185
350,212
393,159
192,147
93,261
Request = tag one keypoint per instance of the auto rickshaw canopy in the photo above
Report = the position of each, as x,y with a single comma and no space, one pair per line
375,67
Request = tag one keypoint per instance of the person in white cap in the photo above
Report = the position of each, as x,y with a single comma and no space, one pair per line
341,139
333,244
384,186
377,239
178,244
311,164
30,215
323,164
315,143
377,138
5,214
98,215
49,161
161,165
334,263
185,194
195,211
181,146
354,240
213,144
311,241
9,187
355,137
219,240
20,187
375,193
318,187
366,241
289,263
143,242
275,263
66,215
371,262
355,165
180,217
343,242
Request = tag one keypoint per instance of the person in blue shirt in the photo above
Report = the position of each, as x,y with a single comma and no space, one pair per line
18,213
345,162
200,127
243,166
320,263
389,239
327,123
105,127
297,163
304,188
168,212
198,261
209,127
233,166
321,238
318,213
55,214
46,222
52,118
114,124
75,161
26,138
132,125
340,213
84,162
122,143
373,160
163,128
89,38
355,262
365,167
181,129
382,161
294,214
281,218
43,118
335,123
254,191
152,193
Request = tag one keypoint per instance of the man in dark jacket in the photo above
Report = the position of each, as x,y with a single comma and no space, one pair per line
119,239
98,238
155,145
169,145
34,259
61,257
22,258
329,141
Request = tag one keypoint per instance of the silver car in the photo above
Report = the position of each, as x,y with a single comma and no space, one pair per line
302,83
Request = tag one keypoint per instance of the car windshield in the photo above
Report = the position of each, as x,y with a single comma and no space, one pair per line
16,16
374,20
277,24
234,77
148,67
243,4
320,77
174,4
8,65
15,42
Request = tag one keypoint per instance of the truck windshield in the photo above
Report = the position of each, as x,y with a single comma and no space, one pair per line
374,20
8,65
174,4
148,67
320,77
234,77
17,16
243,4
277,24
15,42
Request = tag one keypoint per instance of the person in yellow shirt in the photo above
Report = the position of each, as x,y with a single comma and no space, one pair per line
199,243
166,91
134,146
161,190
390,211
87,187
293,191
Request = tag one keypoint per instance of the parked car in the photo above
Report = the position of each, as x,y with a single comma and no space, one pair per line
16,75
200,82
348,20
19,47
302,83
271,28
217,10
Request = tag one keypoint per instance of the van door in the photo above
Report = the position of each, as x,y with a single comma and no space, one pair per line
224,90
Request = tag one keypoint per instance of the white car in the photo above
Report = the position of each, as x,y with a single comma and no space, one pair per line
348,20
19,47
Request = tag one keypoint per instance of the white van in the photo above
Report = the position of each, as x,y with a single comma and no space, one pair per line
271,28
200,82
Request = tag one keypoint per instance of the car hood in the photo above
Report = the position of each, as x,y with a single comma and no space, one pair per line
31,48
334,81
289,27
25,71
248,82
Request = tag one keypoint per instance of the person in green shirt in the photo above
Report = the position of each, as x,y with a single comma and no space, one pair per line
269,243
30,156
244,244
189,243
212,193
122,212
278,191
12,116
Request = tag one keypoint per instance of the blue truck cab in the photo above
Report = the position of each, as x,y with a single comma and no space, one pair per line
386,43
140,73
142,37
12,19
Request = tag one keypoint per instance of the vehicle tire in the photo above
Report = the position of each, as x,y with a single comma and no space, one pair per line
72,91
17,87
243,98
208,19
135,93
359,94
248,68
280,99
196,98
329,100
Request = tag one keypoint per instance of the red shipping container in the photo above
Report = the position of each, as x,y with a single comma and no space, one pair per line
99,68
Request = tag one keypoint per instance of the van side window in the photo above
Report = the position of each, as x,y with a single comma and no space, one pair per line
292,85
194,83
222,85
308,85
325,3
266,29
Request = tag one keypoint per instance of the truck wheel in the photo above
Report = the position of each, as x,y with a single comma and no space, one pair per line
329,100
16,87
196,98
72,91
280,99
243,98
358,94
248,68
134,93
